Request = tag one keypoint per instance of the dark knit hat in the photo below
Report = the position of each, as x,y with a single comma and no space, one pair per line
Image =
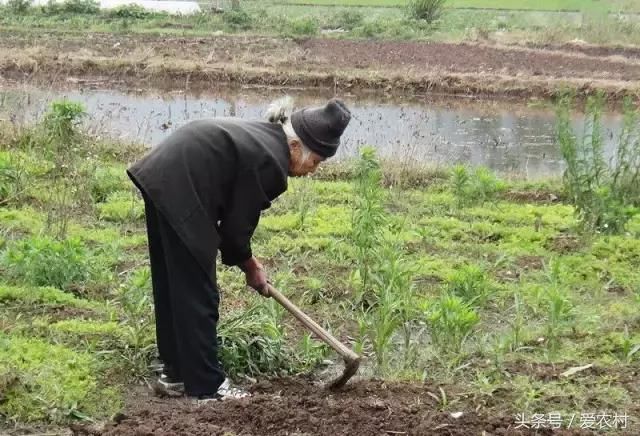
320,128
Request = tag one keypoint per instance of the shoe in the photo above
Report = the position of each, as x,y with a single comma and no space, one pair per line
170,384
157,366
229,392
225,392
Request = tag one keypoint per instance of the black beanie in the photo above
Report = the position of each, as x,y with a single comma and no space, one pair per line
320,128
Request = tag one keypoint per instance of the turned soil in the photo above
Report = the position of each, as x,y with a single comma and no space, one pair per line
391,66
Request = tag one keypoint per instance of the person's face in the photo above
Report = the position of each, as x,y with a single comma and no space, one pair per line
299,167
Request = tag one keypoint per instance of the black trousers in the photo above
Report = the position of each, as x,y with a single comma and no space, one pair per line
186,303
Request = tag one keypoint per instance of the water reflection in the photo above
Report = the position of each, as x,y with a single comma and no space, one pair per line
512,139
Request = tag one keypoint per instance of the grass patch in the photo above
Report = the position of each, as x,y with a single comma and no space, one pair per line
51,383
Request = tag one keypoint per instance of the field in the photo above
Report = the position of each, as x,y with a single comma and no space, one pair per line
482,304
485,292
542,5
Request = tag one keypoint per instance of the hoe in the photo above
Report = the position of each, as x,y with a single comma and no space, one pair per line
351,359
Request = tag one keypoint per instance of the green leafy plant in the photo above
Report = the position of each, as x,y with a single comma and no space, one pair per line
559,312
51,383
136,325
470,283
237,19
81,6
252,342
12,177
605,194
105,181
122,207
368,213
474,188
451,320
44,261
132,11
347,19
19,7
427,10
303,26
71,171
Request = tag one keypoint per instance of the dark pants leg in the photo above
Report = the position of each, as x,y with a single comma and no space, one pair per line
165,337
193,302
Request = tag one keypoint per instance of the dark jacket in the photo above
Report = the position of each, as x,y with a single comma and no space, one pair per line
211,179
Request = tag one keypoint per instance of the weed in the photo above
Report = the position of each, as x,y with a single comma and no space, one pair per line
302,26
70,172
252,342
427,10
368,213
34,296
347,19
12,178
559,311
52,383
43,261
237,19
136,326
132,11
19,7
81,6
451,320
121,207
474,188
105,181
469,283
605,195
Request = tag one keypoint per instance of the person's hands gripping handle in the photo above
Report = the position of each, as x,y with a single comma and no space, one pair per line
255,276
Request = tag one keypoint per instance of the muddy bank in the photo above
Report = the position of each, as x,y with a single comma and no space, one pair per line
338,65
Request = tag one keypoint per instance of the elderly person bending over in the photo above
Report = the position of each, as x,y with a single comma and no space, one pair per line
204,188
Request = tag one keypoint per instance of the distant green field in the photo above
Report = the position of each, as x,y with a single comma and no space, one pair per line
542,5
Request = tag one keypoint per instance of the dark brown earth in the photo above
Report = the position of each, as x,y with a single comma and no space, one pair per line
295,407
347,65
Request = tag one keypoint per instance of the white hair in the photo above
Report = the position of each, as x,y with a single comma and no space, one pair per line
279,112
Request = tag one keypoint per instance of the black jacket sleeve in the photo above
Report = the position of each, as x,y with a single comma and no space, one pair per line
241,216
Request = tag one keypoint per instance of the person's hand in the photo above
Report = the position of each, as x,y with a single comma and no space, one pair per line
255,276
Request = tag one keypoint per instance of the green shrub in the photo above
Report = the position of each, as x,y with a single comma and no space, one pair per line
370,29
131,11
237,19
43,261
19,7
606,195
427,10
347,19
303,26
81,7
50,383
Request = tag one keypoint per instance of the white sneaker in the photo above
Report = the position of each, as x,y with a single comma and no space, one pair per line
170,384
225,392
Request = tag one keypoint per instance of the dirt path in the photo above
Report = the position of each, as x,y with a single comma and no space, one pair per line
293,407
391,66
